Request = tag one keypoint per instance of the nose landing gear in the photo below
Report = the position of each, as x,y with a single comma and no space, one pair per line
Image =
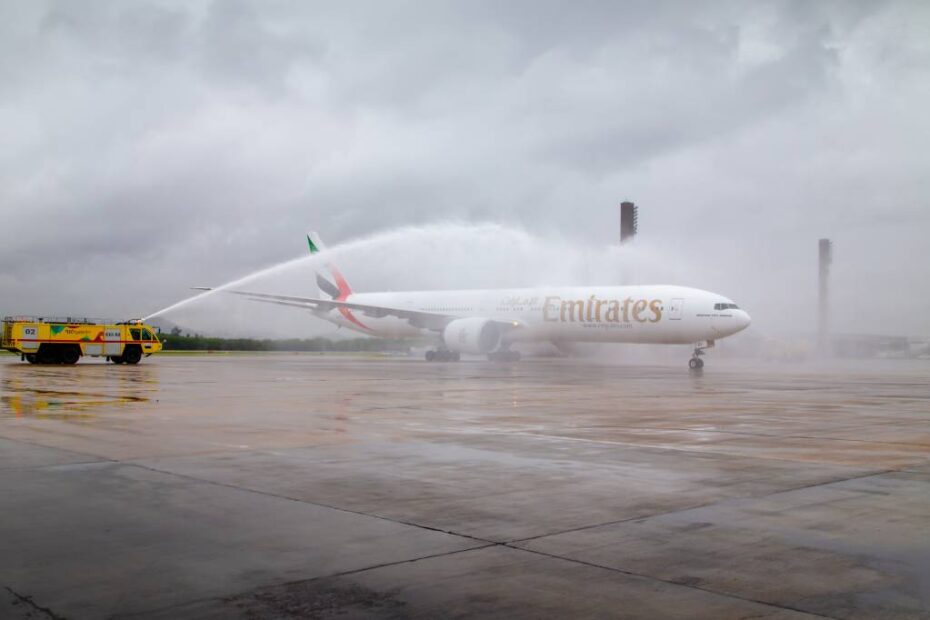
696,363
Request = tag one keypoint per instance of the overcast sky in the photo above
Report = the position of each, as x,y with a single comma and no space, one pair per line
149,146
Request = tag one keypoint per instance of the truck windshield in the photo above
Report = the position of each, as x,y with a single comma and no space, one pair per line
135,334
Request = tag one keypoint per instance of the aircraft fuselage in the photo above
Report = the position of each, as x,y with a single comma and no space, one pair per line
660,314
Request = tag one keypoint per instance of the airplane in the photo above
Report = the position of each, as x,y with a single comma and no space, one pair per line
489,322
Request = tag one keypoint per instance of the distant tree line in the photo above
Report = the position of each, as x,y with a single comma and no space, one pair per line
187,342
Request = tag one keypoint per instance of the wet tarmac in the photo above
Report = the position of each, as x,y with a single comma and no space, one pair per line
300,486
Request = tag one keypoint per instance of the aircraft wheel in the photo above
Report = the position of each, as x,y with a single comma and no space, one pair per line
695,363
430,356
505,355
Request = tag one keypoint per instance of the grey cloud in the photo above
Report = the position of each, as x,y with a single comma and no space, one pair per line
229,128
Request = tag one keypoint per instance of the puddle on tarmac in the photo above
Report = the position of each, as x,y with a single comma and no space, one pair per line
56,394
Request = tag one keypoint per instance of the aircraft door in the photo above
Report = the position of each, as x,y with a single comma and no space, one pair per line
675,309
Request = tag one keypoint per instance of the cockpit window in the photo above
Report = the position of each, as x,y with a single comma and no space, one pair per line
726,307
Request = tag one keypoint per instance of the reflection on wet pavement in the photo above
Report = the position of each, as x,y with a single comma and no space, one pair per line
70,392
270,485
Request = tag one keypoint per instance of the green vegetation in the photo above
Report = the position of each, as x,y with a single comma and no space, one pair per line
187,342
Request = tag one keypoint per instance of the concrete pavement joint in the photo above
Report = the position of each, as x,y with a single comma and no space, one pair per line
31,603
295,582
674,448
97,457
308,502
53,465
698,506
770,435
519,540
450,532
674,583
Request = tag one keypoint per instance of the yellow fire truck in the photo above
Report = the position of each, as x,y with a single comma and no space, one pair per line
65,340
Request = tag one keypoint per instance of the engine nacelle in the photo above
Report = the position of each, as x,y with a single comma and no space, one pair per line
475,335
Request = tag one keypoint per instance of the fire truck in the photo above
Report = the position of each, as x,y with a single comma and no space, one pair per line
65,340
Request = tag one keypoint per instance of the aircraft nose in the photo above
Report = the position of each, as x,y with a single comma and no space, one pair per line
743,319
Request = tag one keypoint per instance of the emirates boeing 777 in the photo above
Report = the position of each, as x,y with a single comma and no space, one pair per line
489,322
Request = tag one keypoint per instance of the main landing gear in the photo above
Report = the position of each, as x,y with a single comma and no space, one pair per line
442,355
696,363
504,355
445,355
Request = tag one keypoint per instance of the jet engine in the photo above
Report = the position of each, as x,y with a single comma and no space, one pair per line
475,335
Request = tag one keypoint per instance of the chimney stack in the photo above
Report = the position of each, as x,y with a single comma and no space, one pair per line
825,247
628,221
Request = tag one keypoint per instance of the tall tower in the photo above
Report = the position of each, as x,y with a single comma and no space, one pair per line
628,223
825,247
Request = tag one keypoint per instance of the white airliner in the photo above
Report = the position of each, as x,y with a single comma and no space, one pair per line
489,322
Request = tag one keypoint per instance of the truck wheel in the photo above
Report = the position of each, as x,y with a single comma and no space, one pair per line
31,358
116,359
47,355
132,355
71,355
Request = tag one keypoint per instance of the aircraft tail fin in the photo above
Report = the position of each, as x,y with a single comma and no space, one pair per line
339,291
315,243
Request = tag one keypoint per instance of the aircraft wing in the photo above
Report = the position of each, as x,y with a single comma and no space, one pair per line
417,318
